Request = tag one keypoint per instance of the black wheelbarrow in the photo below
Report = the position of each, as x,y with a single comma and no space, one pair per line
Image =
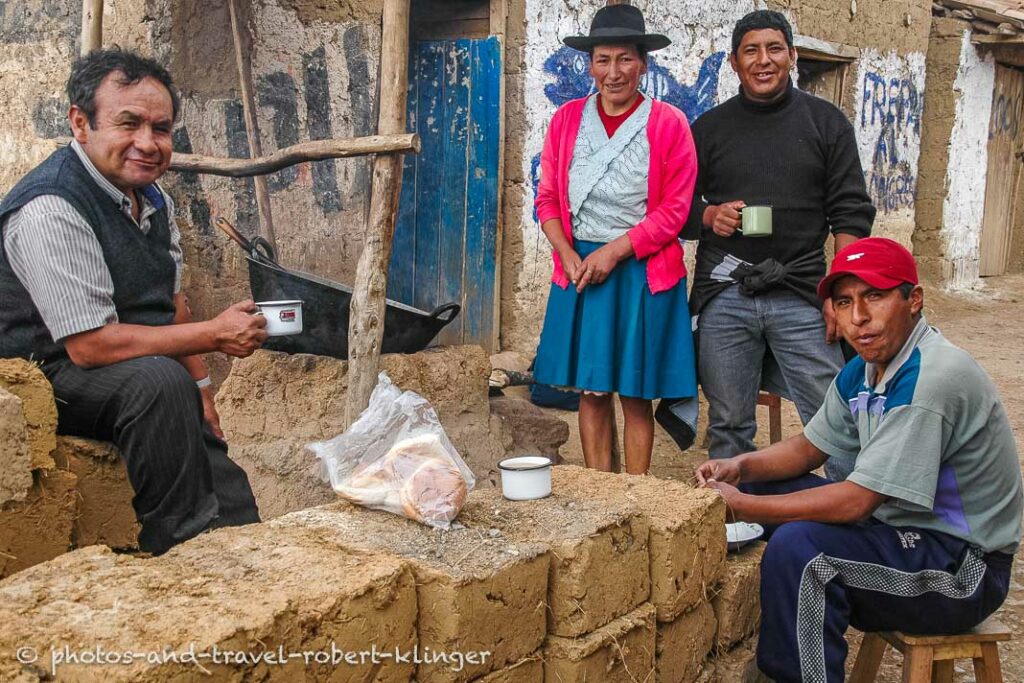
325,307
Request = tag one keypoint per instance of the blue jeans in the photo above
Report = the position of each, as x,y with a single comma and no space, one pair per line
736,335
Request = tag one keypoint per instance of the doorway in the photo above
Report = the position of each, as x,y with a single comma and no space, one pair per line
447,232
1002,179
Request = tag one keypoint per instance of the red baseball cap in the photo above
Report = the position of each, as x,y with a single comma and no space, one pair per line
878,261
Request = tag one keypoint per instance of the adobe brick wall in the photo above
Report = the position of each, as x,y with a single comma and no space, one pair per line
737,603
622,650
15,459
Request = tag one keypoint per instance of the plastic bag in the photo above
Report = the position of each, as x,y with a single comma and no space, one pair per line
396,457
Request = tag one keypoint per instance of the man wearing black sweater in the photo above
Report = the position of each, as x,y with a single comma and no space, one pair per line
754,298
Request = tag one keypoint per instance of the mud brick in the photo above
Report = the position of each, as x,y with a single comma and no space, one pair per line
26,381
477,592
105,513
38,528
528,670
738,603
622,650
738,665
687,541
249,589
15,458
598,540
683,644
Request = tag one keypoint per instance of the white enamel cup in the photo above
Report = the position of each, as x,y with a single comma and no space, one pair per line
527,477
283,317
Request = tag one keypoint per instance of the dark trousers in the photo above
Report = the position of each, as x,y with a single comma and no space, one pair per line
817,579
151,410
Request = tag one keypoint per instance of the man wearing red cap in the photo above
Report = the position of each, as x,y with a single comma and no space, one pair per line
920,535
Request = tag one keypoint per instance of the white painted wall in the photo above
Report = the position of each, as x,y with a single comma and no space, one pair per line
968,163
890,100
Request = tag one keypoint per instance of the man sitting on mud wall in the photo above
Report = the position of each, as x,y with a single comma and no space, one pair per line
920,535
90,288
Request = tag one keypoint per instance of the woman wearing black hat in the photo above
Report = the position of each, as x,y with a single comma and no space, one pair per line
617,176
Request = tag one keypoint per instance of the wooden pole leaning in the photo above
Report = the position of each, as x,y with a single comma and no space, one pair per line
92,26
252,128
316,150
366,313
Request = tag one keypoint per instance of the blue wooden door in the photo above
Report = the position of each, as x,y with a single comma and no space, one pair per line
446,234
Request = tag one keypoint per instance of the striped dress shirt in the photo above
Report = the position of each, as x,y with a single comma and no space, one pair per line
55,254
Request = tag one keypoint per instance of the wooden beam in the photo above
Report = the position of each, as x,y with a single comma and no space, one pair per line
366,313
92,26
252,128
316,150
997,39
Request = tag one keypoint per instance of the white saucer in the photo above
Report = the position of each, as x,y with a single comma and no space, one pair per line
738,534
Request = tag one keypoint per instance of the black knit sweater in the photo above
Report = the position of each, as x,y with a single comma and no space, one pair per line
798,155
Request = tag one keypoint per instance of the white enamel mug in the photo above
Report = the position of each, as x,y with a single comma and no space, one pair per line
283,317
525,478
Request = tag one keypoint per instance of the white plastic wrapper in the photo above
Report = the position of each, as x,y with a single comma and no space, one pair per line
396,457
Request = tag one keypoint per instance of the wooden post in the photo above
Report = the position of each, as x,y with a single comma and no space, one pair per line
366,314
92,26
252,127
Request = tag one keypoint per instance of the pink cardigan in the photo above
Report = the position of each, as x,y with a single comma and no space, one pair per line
670,180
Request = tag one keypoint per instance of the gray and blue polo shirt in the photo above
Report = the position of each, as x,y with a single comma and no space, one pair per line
932,434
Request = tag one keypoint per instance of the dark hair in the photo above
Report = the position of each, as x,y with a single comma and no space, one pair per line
89,71
761,19
906,288
641,50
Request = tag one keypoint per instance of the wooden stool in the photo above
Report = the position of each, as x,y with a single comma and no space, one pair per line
929,659
774,404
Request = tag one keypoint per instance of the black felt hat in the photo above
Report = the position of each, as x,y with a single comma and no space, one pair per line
617,24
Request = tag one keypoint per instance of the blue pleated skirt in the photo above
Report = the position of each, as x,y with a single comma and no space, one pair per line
618,337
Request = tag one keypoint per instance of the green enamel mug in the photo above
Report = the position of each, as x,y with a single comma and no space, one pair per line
757,221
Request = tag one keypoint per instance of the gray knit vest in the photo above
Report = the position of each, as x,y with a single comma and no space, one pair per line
140,264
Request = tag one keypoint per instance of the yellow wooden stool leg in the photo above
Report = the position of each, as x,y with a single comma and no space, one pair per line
986,668
942,671
869,658
917,664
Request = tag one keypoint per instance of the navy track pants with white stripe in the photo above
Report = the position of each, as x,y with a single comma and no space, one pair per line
817,579
151,410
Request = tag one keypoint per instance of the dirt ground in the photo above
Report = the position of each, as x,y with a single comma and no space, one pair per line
988,324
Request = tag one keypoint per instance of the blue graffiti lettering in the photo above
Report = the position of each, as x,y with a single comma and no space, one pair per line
1006,115
571,70
896,105
892,188
894,100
